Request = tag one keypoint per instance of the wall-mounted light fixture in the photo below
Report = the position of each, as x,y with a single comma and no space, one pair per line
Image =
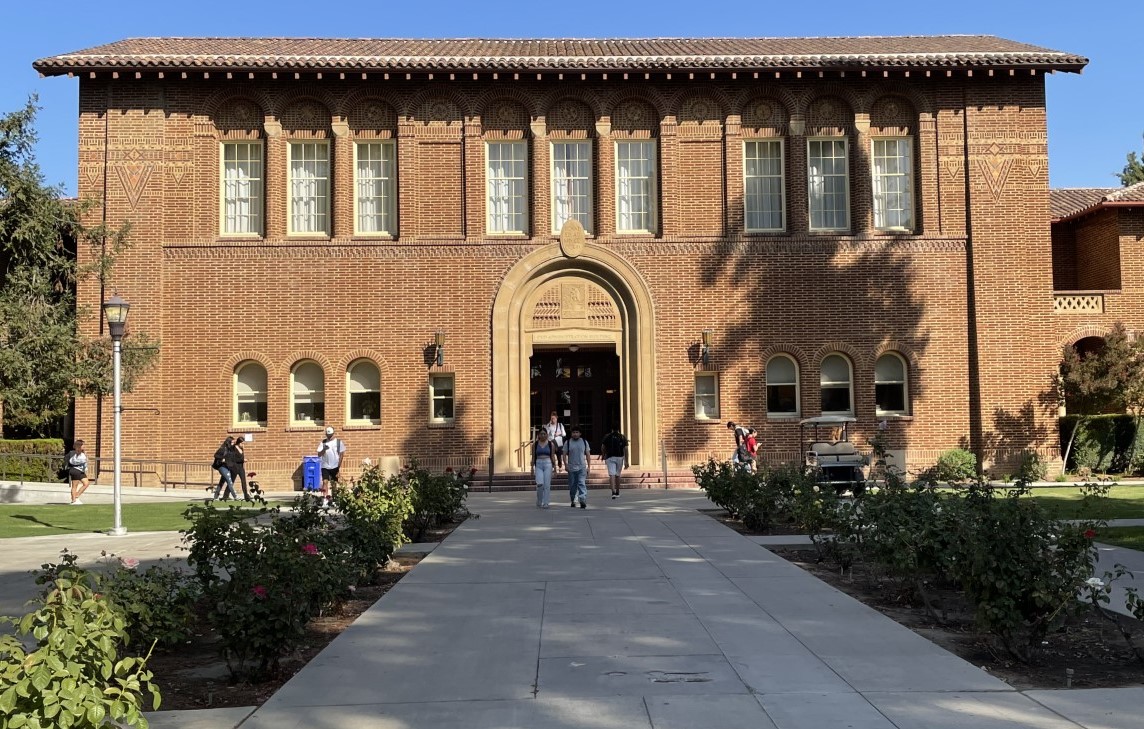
705,350
573,348
439,343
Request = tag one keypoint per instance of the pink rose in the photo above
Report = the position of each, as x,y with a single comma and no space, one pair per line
259,592
129,562
310,548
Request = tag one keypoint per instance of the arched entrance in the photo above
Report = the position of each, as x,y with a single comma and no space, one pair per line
590,310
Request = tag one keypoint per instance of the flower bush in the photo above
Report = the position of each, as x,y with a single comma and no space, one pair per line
157,602
436,498
75,676
374,511
782,495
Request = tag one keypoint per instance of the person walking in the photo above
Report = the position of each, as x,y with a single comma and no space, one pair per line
222,458
331,450
237,465
614,445
543,463
556,436
77,471
576,454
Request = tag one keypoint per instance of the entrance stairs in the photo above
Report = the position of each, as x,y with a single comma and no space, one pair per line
597,479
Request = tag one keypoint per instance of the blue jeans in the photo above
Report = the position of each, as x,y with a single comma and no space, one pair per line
543,472
578,485
227,479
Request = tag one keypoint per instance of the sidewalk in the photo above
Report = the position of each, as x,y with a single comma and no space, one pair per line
643,613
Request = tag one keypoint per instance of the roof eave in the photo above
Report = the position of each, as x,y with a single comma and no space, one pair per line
1097,208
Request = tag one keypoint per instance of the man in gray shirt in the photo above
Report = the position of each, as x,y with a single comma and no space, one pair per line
576,460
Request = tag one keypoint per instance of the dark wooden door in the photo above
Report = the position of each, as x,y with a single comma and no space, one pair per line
583,387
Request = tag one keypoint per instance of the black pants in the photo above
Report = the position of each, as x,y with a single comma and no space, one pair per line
239,472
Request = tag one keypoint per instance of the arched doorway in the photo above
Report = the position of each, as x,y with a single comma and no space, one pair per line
592,311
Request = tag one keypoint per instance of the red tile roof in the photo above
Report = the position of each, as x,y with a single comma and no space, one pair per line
487,54
1069,202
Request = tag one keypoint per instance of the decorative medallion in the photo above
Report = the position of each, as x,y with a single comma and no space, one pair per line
824,108
763,111
572,239
890,109
243,112
373,113
569,114
573,301
699,110
308,113
633,115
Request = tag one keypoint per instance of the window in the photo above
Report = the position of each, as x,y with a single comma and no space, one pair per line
782,386
893,184
250,395
891,393
828,184
635,187
507,180
309,187
571,184
241,188
308,392
764,191
375,203
441,398
836,386
363,393
706,396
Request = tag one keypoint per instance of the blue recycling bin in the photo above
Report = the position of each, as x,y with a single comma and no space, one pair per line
311,473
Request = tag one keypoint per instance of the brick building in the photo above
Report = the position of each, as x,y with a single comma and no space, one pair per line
431,244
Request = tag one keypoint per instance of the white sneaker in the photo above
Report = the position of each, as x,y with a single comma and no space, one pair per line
77,502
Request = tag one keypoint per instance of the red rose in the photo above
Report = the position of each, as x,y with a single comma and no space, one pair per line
259,592
1089,534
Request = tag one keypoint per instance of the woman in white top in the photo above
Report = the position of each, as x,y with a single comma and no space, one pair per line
556,436
77,471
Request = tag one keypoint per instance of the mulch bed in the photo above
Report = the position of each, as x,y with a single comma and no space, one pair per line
194,675
1088,644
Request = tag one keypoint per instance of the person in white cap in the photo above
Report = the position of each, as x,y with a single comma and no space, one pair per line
331,450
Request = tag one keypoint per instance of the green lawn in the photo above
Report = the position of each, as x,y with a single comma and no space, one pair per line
1123,502
1130,537
33,520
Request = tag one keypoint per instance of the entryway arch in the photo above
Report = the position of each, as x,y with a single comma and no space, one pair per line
592,269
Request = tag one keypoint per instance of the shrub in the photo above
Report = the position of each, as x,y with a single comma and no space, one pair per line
953,466
1104,443
14,467
158,602
727,485
436,498
1031,467
75,677
374,510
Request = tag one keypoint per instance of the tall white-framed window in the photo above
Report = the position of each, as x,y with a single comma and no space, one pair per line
572,184
891,385
441,398
828,183
706,395
893,170
250,395
764,185
241,188
307,394
837,393
363,393
506,176
636,187
375,188
309,187
782,387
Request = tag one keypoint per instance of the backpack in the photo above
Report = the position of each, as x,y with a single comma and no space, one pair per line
615,443
64,471
219,458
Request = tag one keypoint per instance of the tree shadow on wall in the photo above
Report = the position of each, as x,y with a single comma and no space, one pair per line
462,445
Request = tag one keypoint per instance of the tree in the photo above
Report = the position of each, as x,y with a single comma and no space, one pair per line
1133,171
44,361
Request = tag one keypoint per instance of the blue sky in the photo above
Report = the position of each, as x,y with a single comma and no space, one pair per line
1095,118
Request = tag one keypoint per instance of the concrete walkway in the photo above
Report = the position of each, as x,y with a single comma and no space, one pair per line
643,613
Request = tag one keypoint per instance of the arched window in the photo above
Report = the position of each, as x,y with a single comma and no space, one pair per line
363,393
782,386
308,394
891,391
250,395
836,386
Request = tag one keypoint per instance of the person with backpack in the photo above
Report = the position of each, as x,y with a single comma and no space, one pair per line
614,445
578,454
76,464
331,450
556,436
221,458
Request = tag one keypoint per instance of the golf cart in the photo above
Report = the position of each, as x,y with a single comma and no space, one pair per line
829,455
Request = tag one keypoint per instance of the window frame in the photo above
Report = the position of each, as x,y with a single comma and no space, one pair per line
589,229
314,422
849,384
782,184
910,178
708,416
653,192
904,383
797,412
236,419
846,179
329,179
525,196
350,420
452,377
222,181
390,146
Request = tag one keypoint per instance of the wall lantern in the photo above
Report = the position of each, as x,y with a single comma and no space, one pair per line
439,343
705,350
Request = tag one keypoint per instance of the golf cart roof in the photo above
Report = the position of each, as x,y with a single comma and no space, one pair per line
829,420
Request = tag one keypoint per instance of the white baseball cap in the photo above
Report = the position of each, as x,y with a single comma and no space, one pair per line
329,431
